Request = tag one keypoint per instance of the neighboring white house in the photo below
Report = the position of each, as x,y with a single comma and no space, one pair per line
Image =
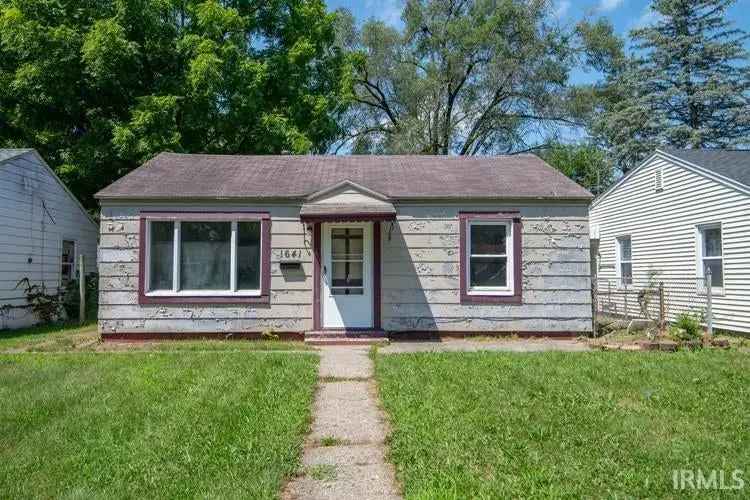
673,217
43,229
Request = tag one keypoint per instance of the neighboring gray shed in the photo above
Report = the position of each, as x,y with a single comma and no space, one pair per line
340,246
43,228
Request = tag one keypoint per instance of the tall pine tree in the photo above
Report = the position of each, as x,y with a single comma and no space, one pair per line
687,85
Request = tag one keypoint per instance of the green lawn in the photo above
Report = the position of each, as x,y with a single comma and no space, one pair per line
492,425
152,424
48,337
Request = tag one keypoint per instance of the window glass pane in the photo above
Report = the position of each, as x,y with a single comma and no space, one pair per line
248,255
712,242
488,271
347,243
488,239
205,255
717,276
625,249
626,273
346,274
161,255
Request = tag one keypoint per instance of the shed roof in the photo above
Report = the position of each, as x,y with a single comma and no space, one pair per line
7,154
199,176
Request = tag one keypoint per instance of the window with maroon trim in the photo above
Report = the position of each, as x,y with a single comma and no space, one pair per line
490,258
204,255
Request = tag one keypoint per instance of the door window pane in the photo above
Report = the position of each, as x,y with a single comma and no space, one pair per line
248,255
489,272
347,258
347,243
205,255
161,255
488,239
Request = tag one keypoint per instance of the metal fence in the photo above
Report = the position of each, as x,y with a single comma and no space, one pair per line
657,298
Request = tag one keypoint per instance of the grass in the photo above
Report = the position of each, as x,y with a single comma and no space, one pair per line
66,336
152,424
585,425
331,441
72,337
322,472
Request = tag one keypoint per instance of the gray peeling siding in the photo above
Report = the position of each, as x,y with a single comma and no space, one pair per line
420,285
420,288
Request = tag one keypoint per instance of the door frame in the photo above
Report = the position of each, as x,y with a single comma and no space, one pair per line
318,284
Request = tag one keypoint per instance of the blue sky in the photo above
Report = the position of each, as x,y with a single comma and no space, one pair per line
624,14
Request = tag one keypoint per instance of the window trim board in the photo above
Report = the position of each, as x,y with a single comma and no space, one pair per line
74,267
619,262
207,296
515,256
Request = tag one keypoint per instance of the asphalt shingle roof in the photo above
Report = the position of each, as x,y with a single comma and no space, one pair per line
7,154
731,163
195,176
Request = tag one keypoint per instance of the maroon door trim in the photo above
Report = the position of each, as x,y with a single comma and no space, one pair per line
264,299
376,281
316,276
516,298
376,250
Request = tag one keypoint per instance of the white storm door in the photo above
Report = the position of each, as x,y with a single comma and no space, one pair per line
347,275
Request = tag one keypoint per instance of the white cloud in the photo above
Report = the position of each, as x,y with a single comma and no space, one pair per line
608,5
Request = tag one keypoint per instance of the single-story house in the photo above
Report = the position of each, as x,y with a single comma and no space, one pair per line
194,245
43,230
677,215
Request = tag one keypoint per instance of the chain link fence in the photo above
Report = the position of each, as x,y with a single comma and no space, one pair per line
656,298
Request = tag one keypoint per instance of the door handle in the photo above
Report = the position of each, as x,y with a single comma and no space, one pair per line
325,270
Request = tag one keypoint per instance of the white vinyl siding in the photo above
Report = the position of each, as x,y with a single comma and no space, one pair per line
36,214
663,226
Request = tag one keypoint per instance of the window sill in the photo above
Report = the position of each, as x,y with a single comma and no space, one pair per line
488,298
715,292
227,299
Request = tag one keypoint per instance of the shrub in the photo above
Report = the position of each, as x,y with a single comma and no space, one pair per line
687,326
70,297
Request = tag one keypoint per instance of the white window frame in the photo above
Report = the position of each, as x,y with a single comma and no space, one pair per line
491,290
700,257
176,254
619,260
75,258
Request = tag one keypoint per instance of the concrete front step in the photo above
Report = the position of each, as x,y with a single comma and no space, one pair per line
344,334
346,341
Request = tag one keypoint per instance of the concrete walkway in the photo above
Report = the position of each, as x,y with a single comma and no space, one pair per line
344,457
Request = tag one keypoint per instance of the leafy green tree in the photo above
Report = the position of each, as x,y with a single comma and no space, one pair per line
686,85
463,77
586,164
98,86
